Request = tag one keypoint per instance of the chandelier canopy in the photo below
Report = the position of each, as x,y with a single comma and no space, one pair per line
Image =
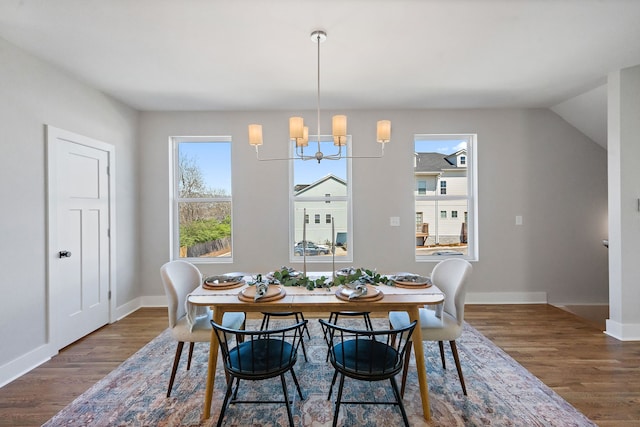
299,133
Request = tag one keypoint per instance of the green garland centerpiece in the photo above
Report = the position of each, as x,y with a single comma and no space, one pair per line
360,276
290,277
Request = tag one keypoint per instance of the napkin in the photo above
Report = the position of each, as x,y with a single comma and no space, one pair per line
195,313
261,290
359,289
406,277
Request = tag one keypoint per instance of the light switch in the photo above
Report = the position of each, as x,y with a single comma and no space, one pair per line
394,221
518,219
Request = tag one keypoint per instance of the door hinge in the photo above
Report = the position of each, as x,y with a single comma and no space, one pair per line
108,170
108,232
109,297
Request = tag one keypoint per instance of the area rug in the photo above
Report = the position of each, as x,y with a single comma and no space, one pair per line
500,392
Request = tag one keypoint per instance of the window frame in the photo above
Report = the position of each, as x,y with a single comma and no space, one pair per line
471,212
325,140
421,189
175,200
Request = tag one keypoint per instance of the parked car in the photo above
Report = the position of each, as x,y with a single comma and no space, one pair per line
447,253
311,249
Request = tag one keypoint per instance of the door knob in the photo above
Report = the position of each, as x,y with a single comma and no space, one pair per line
64,254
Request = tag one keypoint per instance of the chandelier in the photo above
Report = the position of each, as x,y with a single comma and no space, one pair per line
299,133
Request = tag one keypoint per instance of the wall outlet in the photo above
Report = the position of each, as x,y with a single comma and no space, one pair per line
394,221
518,219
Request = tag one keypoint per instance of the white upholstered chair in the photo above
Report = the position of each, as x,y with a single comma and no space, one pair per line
450,276
179,279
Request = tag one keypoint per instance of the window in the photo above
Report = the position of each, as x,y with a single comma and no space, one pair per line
201,198
445,163
306,218
323,189
422,187
419,221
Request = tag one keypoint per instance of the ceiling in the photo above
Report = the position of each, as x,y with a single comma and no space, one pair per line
379,54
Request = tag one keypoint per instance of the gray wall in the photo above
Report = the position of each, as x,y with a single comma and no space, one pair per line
32,94
530,161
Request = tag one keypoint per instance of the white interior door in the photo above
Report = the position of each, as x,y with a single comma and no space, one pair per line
79,247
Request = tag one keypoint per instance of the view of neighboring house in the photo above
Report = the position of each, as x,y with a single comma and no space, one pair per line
319,212
439,178
441,202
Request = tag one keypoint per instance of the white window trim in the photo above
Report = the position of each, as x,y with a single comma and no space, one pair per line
174,236
472,198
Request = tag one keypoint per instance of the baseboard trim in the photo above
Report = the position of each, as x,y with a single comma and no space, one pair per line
506,298
25,363
136,303
623,331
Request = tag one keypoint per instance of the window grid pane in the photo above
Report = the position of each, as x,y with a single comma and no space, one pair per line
202,198
443,190
322,190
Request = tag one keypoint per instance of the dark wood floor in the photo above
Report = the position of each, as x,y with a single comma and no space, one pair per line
597,374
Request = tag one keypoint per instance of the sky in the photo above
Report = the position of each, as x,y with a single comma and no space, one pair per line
214,160
444,146
309,171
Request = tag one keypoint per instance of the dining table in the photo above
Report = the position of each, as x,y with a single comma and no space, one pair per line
318,300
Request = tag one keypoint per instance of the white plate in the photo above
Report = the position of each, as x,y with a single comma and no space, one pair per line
413,279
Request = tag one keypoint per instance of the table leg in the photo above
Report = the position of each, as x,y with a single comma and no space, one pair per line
421,367
213,362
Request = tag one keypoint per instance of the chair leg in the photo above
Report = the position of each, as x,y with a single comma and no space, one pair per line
286,399
335,413
298,315
305,326
235,390
191,345
176,361
225,403
304,349
405,370
394,387
333,382
441,345
295,380
367,322
265,321
454,350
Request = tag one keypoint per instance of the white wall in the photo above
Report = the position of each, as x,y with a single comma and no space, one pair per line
531,163
33,94
624,205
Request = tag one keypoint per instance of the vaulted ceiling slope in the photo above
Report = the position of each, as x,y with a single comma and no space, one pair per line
379,54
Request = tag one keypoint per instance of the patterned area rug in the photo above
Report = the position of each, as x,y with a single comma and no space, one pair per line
500,392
